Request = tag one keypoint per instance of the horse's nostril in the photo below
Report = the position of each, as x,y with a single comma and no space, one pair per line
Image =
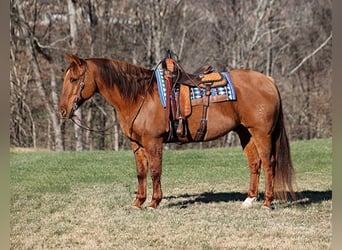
63,113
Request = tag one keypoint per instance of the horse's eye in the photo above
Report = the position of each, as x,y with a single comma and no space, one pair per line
73,80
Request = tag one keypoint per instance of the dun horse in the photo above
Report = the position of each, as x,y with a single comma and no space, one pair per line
256,116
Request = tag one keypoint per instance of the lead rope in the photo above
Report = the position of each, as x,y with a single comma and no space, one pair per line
80,123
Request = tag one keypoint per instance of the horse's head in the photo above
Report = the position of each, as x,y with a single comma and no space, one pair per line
78,86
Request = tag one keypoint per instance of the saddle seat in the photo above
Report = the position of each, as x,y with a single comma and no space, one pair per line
205,69
201,77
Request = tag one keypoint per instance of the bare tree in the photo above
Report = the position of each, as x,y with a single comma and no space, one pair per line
288,40
31,52
74,39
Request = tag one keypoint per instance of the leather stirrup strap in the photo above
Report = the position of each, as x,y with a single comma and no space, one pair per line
168,83
168,67
203,123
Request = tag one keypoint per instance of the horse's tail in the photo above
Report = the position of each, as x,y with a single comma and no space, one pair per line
283,168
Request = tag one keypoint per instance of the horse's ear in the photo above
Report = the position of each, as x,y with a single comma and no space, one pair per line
72,58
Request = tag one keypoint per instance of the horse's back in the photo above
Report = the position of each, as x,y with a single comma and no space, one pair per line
249,82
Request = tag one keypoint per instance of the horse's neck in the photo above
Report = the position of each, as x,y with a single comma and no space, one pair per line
124,85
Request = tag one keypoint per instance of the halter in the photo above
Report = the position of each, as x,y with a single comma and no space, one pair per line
76,104
78,98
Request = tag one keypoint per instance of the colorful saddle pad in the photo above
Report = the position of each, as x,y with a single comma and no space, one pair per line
222,93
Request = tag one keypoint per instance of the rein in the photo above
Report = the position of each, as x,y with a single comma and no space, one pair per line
140,107
80,123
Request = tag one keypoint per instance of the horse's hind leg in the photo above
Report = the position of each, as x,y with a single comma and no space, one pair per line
254,163
263,143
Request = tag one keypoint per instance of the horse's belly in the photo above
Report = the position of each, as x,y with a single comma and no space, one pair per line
221,119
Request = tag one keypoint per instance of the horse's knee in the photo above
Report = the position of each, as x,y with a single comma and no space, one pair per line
255,167
141,172
155,172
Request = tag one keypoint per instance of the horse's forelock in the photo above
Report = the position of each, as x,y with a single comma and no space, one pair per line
74,69
67,71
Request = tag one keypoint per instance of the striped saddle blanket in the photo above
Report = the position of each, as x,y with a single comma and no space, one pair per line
223,92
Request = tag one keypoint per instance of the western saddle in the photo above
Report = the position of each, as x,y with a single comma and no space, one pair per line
178,84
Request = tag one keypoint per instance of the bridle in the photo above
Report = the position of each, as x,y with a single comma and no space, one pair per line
76,104
78,99
80,123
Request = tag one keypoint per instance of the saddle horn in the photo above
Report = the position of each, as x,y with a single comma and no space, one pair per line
168,53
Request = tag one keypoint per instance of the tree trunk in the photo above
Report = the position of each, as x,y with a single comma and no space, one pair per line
74,38
36,72
72,23
116,132
55,120
156,32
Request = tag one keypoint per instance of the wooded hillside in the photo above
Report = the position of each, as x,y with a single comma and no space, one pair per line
287,39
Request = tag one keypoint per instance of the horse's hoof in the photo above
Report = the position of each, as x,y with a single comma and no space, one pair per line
248,202
154,204
268,207
135,207
150,208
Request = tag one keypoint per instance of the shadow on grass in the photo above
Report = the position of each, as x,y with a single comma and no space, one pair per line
306,197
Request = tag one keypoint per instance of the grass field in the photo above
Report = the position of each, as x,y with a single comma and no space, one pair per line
81,200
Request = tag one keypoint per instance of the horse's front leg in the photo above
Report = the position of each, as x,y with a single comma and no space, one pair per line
154,150
141,165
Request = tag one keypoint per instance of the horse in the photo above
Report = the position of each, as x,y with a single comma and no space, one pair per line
256,116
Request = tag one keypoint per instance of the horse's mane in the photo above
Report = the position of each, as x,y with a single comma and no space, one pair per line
131,80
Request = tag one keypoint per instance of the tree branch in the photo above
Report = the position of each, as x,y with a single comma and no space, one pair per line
310,55
51,45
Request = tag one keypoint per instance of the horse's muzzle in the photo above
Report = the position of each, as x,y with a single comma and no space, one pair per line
63,113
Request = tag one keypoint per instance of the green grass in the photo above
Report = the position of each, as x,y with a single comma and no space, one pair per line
81,200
